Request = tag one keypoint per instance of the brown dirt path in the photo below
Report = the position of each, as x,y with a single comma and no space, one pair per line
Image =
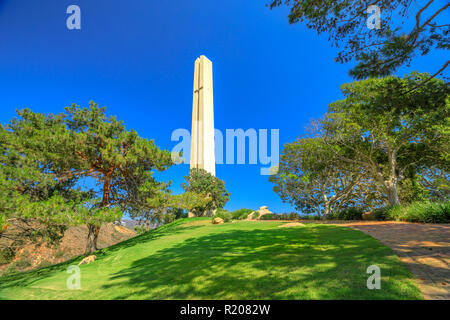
424,248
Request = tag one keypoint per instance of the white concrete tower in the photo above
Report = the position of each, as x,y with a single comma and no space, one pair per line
202,139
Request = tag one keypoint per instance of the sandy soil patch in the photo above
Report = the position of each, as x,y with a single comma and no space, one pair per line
292,224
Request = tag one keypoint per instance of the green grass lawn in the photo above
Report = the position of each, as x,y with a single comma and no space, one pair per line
193,259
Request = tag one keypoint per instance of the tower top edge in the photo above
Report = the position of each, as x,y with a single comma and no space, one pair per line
204,57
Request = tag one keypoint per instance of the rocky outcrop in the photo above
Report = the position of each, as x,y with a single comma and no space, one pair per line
256,215
264,210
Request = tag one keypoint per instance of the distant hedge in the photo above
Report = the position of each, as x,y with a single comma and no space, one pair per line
352,213
282,216
224,214
425,212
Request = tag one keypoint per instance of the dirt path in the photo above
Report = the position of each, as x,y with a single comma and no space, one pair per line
424,248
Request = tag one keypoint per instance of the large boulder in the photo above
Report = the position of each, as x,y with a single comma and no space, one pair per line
217,221
264,210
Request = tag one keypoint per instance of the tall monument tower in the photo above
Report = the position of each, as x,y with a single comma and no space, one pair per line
202,139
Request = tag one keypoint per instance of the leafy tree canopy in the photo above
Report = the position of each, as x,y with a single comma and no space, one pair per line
388,131
45,155
35,200
193,202
202,182
120,161
408,28
314,181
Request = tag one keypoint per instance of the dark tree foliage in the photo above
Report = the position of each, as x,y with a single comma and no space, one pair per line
202,182
44,156
120,161
390,132
408,28
37,203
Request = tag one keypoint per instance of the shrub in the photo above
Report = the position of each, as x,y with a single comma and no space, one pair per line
352,213
310,217
270,216
11,269
381,214
282,216
224,214
140,229
59,254
294,216
44,264
425,212
241,214
6,255
23,263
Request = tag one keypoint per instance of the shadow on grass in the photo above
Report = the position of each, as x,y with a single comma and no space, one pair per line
177,227
314,262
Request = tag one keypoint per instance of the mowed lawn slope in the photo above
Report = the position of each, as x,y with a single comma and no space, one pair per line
193,259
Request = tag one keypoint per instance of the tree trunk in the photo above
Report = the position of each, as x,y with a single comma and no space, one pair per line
94,230
92,238
326,206
391,184
326,213
393,195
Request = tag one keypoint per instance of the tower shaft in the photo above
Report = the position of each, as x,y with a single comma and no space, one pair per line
202,139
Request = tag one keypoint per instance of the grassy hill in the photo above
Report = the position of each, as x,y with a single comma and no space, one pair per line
193,259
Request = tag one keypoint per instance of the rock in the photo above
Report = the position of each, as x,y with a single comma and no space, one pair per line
217,221
250,216
124,230
256,215
367,216
263,211
88,260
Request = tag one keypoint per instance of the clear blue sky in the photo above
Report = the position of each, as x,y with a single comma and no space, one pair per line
137,58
